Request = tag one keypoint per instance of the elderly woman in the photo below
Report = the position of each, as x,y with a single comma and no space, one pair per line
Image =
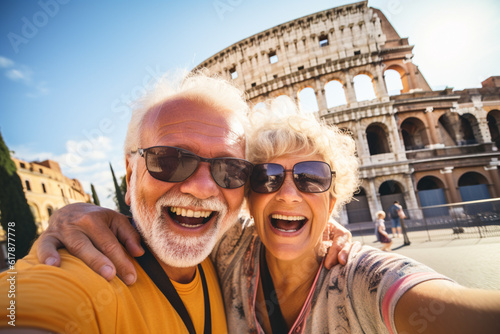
274,281
270,265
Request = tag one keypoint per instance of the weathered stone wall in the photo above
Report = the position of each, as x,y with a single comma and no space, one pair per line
400,138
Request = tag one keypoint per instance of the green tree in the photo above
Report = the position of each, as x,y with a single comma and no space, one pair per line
120,195
16,216
94,195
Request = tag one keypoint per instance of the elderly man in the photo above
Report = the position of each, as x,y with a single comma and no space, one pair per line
184,150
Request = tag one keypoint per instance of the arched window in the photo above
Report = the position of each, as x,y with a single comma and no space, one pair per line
457,130
493,119
414,134
363,87
389,192
431,193
307,100
473,187
335,94
358,210
393,82
377,140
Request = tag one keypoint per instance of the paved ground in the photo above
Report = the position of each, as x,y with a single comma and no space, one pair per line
472,262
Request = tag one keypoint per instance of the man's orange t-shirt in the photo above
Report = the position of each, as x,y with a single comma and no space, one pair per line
74,299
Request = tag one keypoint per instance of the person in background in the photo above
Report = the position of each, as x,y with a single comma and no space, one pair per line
394,210
380,232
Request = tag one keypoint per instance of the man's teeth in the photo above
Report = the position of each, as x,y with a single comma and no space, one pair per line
283,217
190,213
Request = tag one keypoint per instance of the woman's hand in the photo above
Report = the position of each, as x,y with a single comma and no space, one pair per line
93,234
341,246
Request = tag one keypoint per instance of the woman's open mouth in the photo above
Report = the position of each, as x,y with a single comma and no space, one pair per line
288,224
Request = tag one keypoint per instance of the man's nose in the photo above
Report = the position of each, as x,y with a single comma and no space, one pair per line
201,184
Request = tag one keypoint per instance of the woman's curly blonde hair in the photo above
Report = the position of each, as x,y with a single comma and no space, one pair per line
278,128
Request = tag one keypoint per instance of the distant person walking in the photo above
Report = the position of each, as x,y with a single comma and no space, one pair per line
396,210
380,232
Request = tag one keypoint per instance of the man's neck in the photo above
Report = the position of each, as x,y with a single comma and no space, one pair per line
180,275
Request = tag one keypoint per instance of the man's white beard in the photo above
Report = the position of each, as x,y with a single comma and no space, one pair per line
174,249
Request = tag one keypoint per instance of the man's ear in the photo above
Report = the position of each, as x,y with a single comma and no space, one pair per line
128,167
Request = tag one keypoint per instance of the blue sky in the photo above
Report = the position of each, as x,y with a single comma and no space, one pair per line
68,68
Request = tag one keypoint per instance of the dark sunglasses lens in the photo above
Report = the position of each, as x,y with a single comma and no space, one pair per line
267,178
170,164
312,176
230,173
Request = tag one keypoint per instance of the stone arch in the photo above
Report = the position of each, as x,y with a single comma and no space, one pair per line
402,78
307,100
470,129
458,130
414,134
35,211
493,119
358,210
473,186
431,192
364,86
335,93
390,191
259,106
393,82
378,139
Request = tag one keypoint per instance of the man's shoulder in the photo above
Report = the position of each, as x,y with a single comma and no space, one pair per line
68,294
72,274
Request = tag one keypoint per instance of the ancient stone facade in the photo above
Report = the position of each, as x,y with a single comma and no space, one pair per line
418,146
47,189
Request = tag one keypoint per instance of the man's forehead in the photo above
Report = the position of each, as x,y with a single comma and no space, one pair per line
181,119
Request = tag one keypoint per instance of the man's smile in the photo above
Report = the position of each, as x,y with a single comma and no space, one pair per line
190,218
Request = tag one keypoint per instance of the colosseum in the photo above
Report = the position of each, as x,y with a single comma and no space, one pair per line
416,145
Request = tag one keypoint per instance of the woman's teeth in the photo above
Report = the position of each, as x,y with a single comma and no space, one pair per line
287,224
283,217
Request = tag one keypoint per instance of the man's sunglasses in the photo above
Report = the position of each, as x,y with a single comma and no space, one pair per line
172,164
308,176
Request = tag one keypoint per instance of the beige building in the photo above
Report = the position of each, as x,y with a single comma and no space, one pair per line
418,146
47,189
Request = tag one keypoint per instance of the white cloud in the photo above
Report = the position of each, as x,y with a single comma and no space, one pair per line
17,75
23,74
5,62
85,160
40,90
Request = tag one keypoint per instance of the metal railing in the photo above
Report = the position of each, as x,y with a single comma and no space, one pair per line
475,219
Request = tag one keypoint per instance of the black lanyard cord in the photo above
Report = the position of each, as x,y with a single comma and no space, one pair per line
276,319
154,270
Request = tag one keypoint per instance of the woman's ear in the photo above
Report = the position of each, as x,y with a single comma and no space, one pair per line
333,200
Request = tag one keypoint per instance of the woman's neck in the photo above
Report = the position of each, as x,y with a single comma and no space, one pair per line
288,276
292,281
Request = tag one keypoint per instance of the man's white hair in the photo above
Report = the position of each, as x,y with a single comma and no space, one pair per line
196,87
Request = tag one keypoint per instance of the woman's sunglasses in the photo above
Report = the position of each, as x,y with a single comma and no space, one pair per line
308,176
172,164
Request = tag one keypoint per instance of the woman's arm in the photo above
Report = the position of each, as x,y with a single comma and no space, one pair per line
440,306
